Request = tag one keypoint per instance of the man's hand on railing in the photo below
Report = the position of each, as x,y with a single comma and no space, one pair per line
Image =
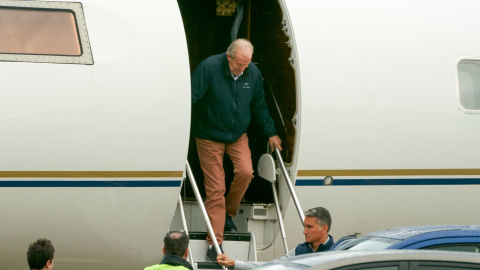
222,259
275,142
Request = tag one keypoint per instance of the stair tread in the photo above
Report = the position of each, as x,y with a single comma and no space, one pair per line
208,265
226,236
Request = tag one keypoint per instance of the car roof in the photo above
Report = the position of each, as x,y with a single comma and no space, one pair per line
402,233
332,259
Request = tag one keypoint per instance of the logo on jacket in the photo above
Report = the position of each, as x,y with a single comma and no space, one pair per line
245,85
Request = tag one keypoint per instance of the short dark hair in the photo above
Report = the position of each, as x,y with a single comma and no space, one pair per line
322,215
39,253
176,243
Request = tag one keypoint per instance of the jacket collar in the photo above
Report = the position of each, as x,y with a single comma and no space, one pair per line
175,260
322,247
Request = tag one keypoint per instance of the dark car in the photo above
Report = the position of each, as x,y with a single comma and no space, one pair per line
464,238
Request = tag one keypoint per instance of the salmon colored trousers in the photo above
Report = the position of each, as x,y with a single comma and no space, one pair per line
211,160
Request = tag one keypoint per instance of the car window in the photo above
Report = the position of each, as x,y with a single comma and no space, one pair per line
436,265
368,243
284,266
379,268
457,247
343,241
392,265
404,265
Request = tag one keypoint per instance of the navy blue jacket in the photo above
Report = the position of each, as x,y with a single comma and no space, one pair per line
305,247
222,107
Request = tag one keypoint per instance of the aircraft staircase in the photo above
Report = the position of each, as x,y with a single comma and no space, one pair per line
256,223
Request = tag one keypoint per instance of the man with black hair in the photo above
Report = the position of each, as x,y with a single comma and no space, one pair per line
316,226
175,250
40,255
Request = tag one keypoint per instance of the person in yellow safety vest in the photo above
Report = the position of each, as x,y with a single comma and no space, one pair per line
175,250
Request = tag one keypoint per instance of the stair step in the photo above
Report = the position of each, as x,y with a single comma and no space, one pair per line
226,236
208,265
237,246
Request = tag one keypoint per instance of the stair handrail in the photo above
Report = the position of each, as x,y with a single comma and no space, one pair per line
266,170
280,220
185,229
290,186
203,210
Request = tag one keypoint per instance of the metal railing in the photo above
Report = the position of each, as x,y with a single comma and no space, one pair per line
290,186
275,195
280,219
198,196
185,228
267,170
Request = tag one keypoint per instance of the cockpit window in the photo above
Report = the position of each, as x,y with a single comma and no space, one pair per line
51,32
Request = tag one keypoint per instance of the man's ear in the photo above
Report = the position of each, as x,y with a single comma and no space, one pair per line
186,253
49,264
163,250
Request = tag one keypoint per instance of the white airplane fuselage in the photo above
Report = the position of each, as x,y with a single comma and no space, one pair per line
92,154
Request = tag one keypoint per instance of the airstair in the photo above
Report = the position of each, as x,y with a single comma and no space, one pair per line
256,223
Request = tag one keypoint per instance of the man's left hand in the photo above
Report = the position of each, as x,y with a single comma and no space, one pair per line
275,142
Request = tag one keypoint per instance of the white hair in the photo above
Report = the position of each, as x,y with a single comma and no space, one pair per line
239,43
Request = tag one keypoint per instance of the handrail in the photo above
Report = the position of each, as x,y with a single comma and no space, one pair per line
266,170
203,210
280,220
290,186
185,228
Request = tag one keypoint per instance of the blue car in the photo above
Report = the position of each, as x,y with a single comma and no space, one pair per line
378,260
465,238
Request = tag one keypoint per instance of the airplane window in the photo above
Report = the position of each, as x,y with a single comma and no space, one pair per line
33,31
44,32
468,85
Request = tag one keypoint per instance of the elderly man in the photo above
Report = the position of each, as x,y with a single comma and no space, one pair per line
40,255
316,227
175,250
227,89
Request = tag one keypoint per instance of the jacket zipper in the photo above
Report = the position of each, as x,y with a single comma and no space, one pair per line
234,107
